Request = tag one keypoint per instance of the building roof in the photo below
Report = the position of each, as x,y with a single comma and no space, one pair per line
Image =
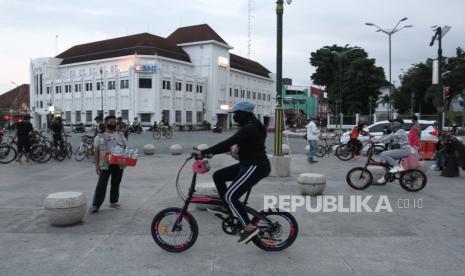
247,65
195,33
15,98
142,44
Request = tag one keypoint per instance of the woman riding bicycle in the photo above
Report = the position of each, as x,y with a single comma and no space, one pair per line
400,147
356,131
252,167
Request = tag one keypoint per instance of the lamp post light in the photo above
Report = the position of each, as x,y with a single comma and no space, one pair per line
279,112
390,32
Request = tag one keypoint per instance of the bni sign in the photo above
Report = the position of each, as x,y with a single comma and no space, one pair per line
143,68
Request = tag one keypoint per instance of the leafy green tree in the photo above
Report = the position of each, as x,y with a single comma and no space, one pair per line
360,78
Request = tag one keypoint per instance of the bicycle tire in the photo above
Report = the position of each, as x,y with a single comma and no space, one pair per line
363,172
69,150
269,243
407,175
156,134
7,154
158,230
37,153
321,151
81,152
344,153
47,155
168,134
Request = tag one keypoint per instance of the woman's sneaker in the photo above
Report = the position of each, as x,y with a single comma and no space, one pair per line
93,209
396,169
246,236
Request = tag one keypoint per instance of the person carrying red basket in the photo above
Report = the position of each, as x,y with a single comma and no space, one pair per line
103,143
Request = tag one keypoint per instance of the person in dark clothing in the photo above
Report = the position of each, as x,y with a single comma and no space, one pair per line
100,125
122,127
356,132
253,165
57,129
23,132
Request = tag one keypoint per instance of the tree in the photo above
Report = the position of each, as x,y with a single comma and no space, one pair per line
361,78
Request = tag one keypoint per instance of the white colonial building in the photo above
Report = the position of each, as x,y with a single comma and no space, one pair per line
187,78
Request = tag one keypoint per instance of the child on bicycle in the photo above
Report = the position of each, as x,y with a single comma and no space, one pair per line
354,142
400,147
252,167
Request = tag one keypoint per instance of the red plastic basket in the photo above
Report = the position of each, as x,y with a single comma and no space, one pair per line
117,160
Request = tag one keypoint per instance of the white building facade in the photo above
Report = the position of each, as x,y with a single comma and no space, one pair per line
187,78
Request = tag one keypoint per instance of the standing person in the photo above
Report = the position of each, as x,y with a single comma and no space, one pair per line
57,130
100,125
356,131
312,136
102,145
435,131
414,134
23,132
122,127
252,167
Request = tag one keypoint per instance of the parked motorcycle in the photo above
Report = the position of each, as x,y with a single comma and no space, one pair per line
135,129
79,128
217,129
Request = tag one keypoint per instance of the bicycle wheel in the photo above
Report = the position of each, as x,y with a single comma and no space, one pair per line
168,133
359,178
412,180
58,153
278,230
81,152
156,134
321,151
37,153
47,154
69,150
170,237
7,154
344,153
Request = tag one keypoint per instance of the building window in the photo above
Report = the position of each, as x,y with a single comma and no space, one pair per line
77,118
111,85
242,94
248,94
145,83
189,117
67,88
236,93
88,86
178,86
259,96
178,116
111,112
199,89
124,84
165,115
145,118
99,85
125,114
41,104
68,116
230,92
40,84
57,89
77,87
254,95
48,89
188,87
269,98
166,85
89,116
199,116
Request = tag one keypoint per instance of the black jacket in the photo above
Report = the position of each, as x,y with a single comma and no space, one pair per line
251,142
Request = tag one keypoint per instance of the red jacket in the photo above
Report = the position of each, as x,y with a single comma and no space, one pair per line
413,139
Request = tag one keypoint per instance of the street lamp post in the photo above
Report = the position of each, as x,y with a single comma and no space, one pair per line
279,112
101,90
390,33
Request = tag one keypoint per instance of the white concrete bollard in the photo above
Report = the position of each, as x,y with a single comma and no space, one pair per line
286,149
202,147
65,208
149,149
280,165
205,189
312,184
176,149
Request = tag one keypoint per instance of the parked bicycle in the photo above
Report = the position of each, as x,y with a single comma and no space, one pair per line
359,178
346,152
84,150
176,230
8,152
327,148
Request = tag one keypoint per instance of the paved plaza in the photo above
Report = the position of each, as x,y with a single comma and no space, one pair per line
407,241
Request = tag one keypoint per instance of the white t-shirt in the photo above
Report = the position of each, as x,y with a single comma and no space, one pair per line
104,142
312,131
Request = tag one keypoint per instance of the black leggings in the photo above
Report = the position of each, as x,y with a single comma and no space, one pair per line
356,144
243,178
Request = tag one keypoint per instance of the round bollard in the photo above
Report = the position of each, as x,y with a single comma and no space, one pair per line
65,208
286,149
377,172
149,149
205,189
202,147
312,184
176,149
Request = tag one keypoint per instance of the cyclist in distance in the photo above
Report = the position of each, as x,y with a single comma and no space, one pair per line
252,167
356,131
